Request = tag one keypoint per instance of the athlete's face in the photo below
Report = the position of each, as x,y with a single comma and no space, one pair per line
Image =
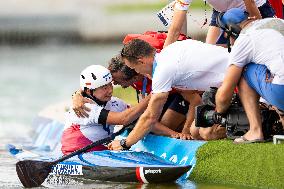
104,93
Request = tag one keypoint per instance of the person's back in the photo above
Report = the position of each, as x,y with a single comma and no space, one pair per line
263,46
186,64
266,23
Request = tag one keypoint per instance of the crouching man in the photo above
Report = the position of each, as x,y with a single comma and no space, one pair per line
181,66
256,67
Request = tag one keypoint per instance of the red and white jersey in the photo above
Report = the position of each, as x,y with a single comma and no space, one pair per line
91,127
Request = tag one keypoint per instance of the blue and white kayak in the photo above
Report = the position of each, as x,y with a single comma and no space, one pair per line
153,159
127,166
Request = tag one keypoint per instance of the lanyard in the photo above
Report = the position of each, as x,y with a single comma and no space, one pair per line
145,81
154,68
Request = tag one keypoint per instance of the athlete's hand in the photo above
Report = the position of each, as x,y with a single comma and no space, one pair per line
182,136
115,145
79,105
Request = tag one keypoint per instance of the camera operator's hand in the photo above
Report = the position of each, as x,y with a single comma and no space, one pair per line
182,136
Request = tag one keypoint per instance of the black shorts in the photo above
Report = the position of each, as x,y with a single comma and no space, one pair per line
177,103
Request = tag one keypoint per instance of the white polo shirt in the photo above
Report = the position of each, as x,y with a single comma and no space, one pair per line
266,23
218,5
261,46
189,65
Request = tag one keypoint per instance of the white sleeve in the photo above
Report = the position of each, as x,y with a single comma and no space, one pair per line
116,105
162,80
182,4
242,51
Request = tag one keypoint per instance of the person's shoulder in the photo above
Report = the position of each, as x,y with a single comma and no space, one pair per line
265,23
116,104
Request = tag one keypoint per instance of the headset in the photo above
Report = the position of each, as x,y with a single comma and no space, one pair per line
233,30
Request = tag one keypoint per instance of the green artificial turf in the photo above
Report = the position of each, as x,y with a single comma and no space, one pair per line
255,165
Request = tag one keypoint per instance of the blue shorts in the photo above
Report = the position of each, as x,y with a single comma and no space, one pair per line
256,76
265,10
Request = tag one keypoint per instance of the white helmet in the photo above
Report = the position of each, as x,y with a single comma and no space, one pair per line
94,76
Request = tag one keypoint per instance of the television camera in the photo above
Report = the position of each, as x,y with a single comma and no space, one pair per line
235,120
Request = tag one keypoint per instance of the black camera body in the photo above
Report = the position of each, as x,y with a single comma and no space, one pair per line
235,119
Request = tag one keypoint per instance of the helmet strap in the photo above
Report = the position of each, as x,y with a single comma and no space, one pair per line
92,97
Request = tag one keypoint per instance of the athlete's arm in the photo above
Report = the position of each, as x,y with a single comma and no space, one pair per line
225,92
129,115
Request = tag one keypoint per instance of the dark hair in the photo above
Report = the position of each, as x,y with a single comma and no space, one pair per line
116,64
135,49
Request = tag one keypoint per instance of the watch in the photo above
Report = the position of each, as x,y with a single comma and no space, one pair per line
123,144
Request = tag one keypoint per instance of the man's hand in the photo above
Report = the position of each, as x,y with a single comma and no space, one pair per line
79,104
115,145
182,136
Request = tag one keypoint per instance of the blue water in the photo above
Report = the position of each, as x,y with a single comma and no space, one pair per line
33,77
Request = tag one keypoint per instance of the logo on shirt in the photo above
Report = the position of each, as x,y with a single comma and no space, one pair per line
114,103
182,103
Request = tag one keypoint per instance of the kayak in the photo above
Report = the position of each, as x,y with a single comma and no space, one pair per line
154,159
127,166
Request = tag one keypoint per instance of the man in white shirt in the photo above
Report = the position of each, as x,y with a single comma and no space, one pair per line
188,66
256,66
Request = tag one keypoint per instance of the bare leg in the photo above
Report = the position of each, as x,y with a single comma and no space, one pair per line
172,119
212,34
250,101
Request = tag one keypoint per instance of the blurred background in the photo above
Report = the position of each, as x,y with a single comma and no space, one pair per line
44,45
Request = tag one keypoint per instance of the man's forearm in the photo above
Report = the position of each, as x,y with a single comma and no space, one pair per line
142,128
133,113
223,101
160,129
